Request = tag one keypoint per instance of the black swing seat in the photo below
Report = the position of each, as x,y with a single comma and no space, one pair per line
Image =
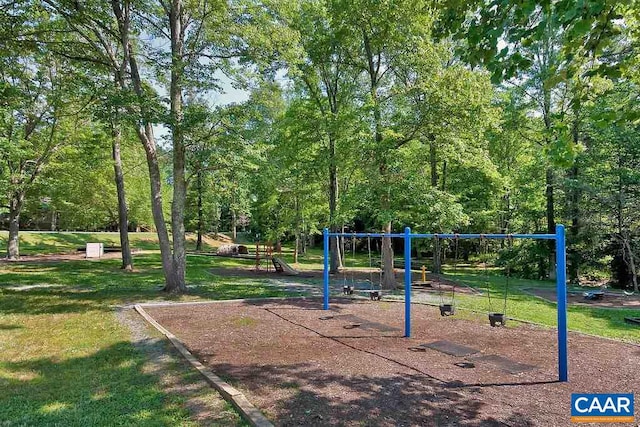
497,319
593,295
447,310
373,294
347,290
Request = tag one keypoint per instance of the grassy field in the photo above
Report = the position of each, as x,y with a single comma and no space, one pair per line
66,359
605,322
42,242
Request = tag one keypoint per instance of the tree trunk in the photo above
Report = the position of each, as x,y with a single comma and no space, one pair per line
155,181
551,222
234,225
200,211
54,220
305,238
437,258
335,261
630,260
176,17
574,232
123,219
373,69
145,134
444,175
433,162
388,272
574,200
13,244
505,219
295,249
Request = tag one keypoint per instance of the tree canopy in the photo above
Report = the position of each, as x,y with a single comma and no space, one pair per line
446,116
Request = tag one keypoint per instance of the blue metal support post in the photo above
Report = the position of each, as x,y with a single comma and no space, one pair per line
407,282
325,275
561,290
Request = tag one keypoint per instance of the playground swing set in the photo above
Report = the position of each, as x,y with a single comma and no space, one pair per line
446,299
447,309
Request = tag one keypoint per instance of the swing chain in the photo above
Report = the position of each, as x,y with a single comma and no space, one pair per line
370,260
455,269
508,272
353,260
436,261
484,247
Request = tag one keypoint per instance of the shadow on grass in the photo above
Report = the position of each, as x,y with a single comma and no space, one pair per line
105,388
80,286
10,327
53,242
302,394
38,242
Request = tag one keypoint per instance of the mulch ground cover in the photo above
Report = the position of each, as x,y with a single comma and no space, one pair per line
611,300
351,366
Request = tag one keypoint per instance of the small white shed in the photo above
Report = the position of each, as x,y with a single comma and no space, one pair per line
94,250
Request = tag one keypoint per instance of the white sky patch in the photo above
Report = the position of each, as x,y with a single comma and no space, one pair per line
228,95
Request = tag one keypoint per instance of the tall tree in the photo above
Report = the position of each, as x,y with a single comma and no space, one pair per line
203,38
381,33
40,100
327,80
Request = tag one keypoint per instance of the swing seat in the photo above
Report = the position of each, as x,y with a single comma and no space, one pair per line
347,290
447,310
593,295
497,319
375,295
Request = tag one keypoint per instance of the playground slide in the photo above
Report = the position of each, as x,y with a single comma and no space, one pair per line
282,267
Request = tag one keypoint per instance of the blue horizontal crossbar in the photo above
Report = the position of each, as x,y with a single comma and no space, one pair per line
450,236
486,236
366,234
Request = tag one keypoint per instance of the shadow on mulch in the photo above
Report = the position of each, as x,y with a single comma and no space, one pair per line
364,400
307,303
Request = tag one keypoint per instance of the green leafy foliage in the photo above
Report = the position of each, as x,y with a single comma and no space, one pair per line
444,116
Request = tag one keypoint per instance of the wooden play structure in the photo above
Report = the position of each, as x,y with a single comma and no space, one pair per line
263,257
265,251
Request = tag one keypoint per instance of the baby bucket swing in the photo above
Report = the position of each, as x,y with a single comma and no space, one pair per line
497,318
448,308
347,289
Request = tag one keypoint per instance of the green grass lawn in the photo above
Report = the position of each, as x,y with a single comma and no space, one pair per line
64,357
42,242
604,322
